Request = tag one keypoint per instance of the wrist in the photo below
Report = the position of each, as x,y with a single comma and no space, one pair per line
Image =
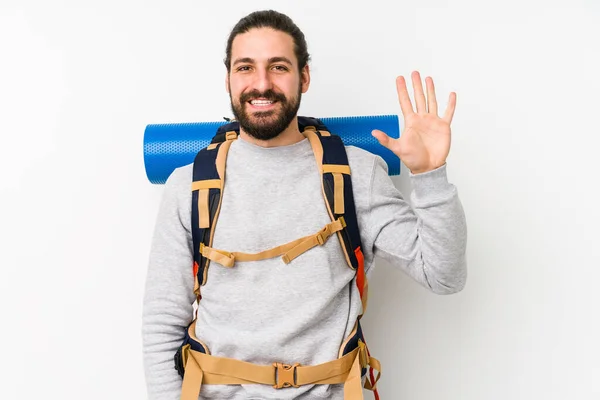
419,171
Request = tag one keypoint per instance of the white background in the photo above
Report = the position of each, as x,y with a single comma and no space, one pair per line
80,80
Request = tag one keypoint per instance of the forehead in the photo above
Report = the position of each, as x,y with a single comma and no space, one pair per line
261,44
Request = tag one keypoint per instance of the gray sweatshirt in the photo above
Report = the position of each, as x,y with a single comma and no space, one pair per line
267,311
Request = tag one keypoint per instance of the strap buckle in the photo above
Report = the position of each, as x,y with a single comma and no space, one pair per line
321,238
285,375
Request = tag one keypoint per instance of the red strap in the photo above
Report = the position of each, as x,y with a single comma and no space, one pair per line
375,392
360,273
196,268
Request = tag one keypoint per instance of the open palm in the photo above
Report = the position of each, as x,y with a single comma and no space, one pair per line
425,141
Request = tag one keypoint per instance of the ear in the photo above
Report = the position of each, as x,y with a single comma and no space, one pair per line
227,89
305,78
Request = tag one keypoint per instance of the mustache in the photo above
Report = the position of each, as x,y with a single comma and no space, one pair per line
268,95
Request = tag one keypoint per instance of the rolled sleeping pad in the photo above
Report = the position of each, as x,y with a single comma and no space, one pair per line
170,146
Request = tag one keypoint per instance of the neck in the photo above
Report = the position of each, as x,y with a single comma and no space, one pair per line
289,136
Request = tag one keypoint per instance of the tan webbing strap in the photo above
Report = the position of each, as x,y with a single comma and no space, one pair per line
338,184
203,188
376,365
318,239
315,143
222,257
338,193
203,213
229,371
342,169
331,372
353,384
210,370
203,207
207,184
288,251
192,380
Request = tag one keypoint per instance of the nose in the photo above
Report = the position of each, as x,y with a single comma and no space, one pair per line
262,81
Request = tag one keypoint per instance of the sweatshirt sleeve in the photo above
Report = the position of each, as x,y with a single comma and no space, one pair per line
168,297
426,240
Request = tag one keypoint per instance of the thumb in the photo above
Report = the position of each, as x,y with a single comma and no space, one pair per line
382,137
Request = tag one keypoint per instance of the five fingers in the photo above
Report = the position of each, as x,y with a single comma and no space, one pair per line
424,105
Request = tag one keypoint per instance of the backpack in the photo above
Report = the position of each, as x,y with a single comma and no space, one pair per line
192,359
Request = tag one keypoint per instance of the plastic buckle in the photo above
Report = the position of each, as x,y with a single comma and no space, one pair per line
320,238
285,375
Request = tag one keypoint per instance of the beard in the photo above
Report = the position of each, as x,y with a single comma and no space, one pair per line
265,125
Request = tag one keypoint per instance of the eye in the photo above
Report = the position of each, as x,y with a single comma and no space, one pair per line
280,68
243,68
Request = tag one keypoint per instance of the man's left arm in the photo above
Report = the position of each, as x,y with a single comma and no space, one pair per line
428,240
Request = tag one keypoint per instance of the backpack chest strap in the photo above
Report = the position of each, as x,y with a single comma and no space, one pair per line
288,251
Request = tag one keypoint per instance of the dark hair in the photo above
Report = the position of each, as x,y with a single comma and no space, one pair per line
274,20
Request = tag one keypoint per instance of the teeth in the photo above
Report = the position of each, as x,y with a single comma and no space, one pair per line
261,102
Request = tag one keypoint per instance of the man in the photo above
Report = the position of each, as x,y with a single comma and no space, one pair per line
265,311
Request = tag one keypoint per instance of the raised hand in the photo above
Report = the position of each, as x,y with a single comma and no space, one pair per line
425,141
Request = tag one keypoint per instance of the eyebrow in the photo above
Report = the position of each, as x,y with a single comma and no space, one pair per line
270,60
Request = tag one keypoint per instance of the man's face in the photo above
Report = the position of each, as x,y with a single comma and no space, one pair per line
264,83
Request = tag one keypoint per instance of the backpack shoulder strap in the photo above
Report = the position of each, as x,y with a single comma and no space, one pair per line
208,182
332,161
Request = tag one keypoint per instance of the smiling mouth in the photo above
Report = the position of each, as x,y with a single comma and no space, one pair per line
261,103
